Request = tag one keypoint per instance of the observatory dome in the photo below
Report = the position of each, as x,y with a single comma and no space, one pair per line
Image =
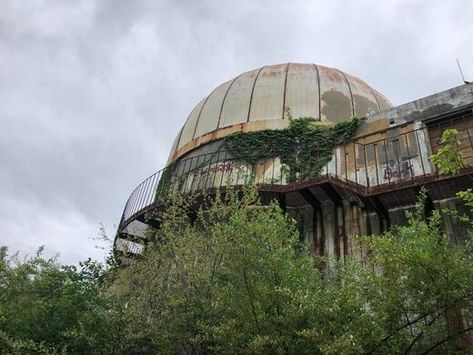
265,97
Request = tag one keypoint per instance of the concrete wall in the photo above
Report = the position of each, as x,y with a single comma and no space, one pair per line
331,231
441,103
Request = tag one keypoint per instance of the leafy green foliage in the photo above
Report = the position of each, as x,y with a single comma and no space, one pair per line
448,158
235,279
166,181
418,287
10,345
49,308
230,281
304,147
467,197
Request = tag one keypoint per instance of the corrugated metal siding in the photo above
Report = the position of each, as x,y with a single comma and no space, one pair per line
237,102
209,116
302,91
268,94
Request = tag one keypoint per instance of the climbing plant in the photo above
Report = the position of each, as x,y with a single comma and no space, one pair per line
304,148
448,158
165,182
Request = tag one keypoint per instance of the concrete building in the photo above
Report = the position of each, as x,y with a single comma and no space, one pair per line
366,187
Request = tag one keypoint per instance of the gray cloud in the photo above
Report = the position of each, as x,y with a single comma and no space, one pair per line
92,93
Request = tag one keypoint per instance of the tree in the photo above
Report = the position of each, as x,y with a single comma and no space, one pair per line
448,158
233,278
414,282
230,281
48,308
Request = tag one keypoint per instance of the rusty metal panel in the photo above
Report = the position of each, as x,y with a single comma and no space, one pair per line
189,127
268,94
237,101
364,99
336,100
302,91
208,120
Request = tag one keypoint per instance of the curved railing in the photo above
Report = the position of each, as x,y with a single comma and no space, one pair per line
363,162
212,170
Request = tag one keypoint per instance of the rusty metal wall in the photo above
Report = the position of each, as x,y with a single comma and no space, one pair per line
302,91
267,100
237,101
211,110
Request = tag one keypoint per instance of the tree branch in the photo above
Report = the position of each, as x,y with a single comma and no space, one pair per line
447,339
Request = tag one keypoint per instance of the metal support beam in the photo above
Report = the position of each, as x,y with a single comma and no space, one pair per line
332,194
310,198
380,209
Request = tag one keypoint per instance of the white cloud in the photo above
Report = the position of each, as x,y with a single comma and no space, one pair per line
29,224
46,19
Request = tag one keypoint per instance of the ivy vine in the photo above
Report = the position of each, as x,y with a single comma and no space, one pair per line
304,148
166,181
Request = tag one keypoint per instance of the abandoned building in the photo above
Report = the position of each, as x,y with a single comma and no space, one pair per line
365,186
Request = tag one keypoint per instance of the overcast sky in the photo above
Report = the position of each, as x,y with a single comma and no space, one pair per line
92,93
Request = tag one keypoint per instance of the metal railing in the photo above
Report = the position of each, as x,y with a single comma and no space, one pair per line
368,164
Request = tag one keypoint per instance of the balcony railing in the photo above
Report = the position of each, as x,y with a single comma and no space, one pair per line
366,162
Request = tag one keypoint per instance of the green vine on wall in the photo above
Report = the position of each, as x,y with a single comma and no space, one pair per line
166,181
304,148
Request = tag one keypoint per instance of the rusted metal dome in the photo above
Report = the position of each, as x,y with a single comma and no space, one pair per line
263,98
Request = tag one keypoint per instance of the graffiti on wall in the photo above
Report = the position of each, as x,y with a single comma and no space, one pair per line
224,167
398,171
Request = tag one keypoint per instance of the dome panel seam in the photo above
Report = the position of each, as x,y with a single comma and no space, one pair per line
252,92
284,92
351,93
224,98
318,90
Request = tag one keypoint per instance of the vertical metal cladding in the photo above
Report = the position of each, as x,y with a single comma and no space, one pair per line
268,93
307,90
237,102
302,91
209,115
